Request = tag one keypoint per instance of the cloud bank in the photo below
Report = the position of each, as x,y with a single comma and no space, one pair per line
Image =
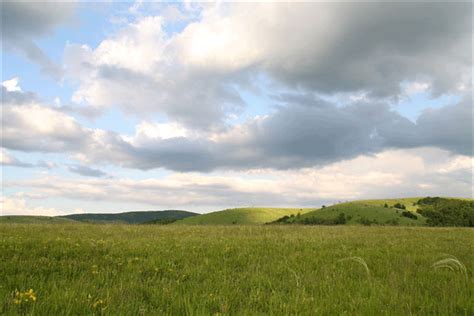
303,132
196,76
421,171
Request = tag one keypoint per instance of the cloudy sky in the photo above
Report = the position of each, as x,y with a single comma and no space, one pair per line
110,107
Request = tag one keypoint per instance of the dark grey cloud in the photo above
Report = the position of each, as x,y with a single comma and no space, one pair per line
24,22
300,135
303,131
87,171
449,127
360,46
376,46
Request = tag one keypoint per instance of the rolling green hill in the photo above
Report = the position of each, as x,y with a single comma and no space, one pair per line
131,217
359,212
404,211
242,216
24,219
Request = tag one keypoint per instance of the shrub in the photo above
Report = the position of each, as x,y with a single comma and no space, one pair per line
409,215
283,220
367,222
341,219
430,200
393,221
400,206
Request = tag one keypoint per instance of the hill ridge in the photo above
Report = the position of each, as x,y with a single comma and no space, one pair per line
132,217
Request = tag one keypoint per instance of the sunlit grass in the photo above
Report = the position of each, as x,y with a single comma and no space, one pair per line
79,269
243,216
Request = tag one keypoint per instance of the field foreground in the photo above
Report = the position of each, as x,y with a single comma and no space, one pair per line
82,269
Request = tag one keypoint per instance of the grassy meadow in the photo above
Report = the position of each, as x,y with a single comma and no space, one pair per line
86,269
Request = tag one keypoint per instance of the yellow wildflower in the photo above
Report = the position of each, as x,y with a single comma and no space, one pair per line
99,304
26,297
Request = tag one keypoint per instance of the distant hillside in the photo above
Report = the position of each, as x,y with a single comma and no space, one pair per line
24,219
406,212
131,217
429,211
358,213
241,216
364,214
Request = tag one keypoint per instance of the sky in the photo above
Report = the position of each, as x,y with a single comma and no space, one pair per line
119,106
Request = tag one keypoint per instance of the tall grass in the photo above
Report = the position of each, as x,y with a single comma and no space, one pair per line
451,263
360,261
234,270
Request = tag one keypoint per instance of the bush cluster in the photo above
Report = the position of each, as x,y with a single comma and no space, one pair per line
367,222
287,219
339,220
409,215
447,212
400,206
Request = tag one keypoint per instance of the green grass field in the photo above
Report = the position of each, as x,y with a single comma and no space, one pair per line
242,216
85,269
